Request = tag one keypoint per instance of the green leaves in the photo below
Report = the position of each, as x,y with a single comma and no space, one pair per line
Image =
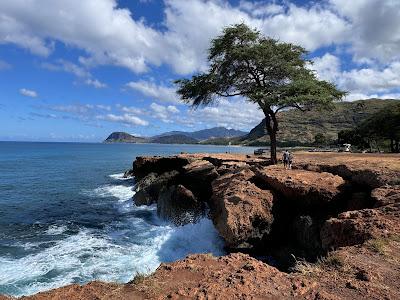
263,70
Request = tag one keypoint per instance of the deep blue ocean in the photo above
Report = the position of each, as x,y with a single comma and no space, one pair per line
67,216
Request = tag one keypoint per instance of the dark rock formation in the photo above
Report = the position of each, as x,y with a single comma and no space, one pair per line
179,205
148,189
144,165
197,176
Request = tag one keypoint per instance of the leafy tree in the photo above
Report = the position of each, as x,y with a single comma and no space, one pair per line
382,125
272,74
320,139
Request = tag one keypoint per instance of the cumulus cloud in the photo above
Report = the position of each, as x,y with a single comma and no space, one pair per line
111,35
28,93
125,119
368,82
157,92
163,113
233,113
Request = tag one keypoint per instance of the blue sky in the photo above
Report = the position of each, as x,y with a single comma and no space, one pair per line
73,70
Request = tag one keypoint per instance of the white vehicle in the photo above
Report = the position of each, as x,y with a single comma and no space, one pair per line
345,148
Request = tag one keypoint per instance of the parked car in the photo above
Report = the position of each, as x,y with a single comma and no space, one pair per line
261,151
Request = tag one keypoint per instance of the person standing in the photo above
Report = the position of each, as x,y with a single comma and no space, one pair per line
285,158
290,160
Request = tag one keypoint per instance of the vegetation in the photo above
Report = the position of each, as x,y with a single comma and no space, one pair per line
382,129
272,74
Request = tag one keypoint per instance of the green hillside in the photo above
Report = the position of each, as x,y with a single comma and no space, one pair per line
297,127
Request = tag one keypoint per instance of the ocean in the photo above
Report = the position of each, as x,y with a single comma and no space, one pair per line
67,216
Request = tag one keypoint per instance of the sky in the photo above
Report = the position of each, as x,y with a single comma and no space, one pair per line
77,70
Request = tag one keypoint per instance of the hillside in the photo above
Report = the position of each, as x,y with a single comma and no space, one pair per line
123,137
205,134
174,139
297,127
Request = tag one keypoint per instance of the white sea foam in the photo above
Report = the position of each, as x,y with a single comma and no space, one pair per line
117,253
55,229
119,176
123,193
87,256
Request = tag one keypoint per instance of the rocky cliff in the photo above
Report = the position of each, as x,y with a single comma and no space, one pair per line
328,229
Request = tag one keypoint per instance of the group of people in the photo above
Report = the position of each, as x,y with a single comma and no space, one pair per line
287,158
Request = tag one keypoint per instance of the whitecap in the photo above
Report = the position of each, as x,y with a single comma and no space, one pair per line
56,230
120,176
138,247
123,193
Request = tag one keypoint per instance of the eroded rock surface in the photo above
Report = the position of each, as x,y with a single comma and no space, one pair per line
241,211
356,227
386,195
308,187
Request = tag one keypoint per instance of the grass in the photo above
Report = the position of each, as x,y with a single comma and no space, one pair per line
331,261
138,278
378,245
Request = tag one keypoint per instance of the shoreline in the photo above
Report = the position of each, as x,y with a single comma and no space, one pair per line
328,193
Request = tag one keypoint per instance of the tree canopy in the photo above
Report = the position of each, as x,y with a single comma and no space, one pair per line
272,74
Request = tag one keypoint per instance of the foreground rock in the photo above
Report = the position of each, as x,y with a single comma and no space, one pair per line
349,273
386,195
356,227
241,212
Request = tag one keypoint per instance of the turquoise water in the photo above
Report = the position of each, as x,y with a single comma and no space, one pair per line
66,216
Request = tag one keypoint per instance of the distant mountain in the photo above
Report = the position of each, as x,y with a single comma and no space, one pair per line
297,127
174,139
123,137
205,134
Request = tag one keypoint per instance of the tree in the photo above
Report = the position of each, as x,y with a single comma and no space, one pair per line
272,74
320,139
382,126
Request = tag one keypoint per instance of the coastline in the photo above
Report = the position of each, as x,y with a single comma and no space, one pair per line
357,193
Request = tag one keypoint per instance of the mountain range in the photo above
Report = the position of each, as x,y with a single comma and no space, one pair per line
295,127
176,137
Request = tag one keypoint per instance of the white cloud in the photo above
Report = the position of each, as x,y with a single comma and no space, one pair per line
157,92
375,28
111,35
125,119
28,93
233,113
370,80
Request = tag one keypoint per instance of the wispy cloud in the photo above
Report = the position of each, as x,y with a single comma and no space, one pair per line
80,72
28,93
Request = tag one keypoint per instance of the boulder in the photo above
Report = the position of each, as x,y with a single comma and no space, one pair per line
197,176
241,212
128,173
149,187
179,205
306,234
306,187
386,195
144,165
355,227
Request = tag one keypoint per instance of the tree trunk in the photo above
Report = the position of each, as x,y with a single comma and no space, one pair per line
271,124
392,149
